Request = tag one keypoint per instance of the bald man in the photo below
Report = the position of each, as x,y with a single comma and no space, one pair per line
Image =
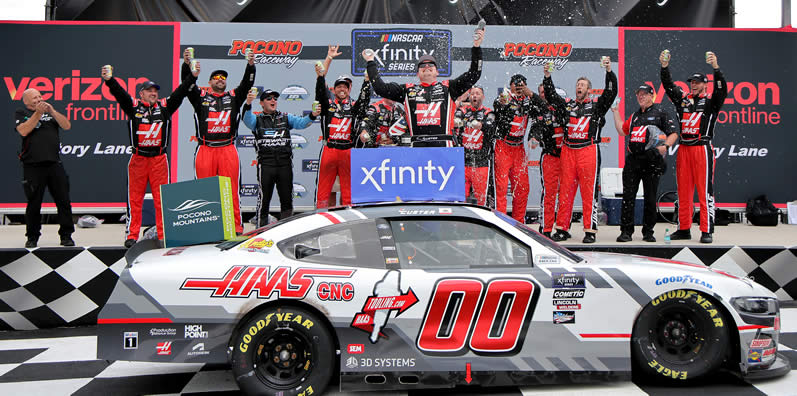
38,124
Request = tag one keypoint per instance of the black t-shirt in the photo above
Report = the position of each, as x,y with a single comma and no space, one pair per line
43,143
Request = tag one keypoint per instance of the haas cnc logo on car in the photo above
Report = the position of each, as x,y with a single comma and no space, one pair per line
240,281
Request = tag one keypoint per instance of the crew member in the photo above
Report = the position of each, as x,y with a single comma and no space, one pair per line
548,129
216,118
644,159
513,110
340,118
474,131
148,128
694,163
429,104
376,130
38,124
580,154
272,130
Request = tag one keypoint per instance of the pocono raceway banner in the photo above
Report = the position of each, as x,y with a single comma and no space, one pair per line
753,136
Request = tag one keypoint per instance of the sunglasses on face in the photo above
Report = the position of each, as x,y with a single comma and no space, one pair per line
270,98
218,77
426,65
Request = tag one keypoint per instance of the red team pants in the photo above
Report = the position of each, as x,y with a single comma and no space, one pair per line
140,171
550,173
476,177
579,170
334,163
694,168
510,164
221,161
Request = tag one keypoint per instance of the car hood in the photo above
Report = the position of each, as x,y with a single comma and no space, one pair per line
178,254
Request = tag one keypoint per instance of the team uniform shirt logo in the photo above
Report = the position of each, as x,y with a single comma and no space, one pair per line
690,125
428,113
340,129
473,139
219,121
639,134
518,126
578,128
149,135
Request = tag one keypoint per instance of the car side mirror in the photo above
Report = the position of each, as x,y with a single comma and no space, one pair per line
302,251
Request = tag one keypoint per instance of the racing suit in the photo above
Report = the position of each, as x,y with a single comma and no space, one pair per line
379,119
216,118
510,153
339,121
694,163
430,107
478,145
643,162
274,158
580,159
548,129
149,131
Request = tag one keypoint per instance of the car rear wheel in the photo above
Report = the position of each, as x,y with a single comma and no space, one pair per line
283,350
680,335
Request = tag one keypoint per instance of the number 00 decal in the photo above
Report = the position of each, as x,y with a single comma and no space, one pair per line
463,315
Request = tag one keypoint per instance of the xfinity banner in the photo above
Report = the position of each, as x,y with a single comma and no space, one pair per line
411,174
398,50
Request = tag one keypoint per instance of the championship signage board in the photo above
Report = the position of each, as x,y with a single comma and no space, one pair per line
197,211
397,51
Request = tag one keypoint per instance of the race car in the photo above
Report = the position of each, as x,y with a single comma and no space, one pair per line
413,295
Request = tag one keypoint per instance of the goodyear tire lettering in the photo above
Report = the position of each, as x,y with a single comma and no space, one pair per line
261,324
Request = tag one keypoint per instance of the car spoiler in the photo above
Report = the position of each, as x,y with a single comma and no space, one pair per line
141,247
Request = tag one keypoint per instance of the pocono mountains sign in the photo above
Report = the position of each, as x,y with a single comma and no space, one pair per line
407,173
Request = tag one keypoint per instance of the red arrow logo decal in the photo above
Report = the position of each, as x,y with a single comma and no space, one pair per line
365,320
468,378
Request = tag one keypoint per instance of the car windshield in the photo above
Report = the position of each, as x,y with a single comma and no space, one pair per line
539,238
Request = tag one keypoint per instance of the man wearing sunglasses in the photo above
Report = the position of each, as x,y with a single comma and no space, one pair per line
272,130
216,118
430,104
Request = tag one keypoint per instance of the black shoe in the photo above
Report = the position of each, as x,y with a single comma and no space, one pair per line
706,238
623,237
589,238
129,243
649,238
547,234
31,243
560,235
680,234
67,241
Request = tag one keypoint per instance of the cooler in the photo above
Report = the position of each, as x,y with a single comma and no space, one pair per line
612,196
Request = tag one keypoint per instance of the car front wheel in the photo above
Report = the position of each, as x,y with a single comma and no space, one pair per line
283,350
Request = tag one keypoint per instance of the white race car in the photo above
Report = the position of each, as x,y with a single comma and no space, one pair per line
412,295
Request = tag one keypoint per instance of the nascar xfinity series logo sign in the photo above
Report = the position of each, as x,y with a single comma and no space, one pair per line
398,50
409,173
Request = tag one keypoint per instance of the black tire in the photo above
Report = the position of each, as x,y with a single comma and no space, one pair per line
299,341
680,335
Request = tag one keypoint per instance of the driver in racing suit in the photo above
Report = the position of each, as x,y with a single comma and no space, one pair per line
474,130
376,130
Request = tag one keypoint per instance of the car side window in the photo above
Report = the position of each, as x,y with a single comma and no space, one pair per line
455,244
350,243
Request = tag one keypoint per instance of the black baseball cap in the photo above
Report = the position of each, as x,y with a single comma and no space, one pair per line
343,80
269,92
698,77
644,87
517,78
427,59
215,72
148,85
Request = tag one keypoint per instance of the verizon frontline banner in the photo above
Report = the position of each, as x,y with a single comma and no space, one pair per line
754,141
63,61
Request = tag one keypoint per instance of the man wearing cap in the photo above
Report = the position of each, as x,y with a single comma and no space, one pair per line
474,129
148,127
580,154
340,119
651,132
216,118
272,130
694,163
429,104
513,111
38,124
377,127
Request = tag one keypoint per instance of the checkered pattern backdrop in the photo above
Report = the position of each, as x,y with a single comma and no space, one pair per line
56,287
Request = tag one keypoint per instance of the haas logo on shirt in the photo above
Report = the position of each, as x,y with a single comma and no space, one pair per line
518,126
638,134
578,128
472,139
340,129
149,135
428,113
690,124
219,121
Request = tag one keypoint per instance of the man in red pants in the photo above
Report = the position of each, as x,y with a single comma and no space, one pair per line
548,129
694,164
149,132
580,158
216,117
513,111
475,134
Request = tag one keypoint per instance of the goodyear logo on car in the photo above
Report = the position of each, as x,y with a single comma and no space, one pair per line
683,280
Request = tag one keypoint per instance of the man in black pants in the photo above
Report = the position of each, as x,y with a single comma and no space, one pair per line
644,160
272,130
38,123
